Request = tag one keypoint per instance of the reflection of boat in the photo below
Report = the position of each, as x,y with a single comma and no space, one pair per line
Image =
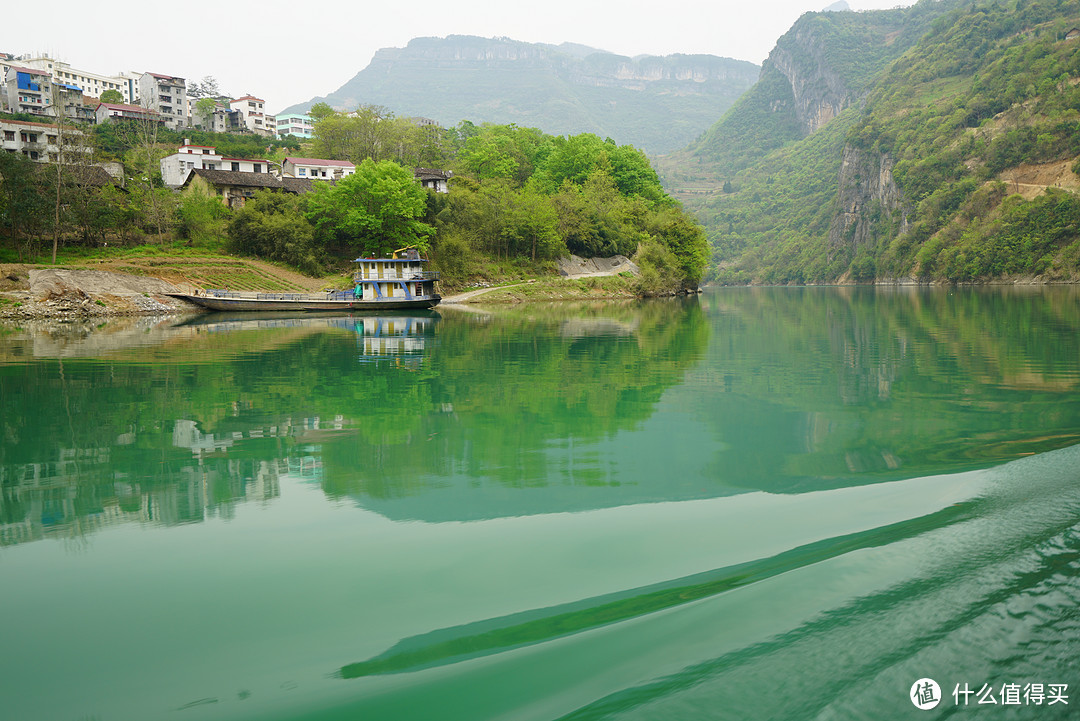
403,338
396,283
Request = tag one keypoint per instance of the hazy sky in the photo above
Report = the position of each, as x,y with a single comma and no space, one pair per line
289,52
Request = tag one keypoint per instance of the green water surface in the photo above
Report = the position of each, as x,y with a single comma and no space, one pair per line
771,503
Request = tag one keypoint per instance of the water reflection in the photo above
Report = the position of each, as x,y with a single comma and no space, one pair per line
530,410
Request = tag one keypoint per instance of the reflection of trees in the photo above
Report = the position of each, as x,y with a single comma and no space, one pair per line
821,386
145,438
497,393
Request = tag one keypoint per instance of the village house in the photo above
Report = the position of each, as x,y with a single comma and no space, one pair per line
317,168
235,187
121,111
188,157
39,141
432,179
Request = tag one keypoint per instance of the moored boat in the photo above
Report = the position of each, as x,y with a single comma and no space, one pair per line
399,282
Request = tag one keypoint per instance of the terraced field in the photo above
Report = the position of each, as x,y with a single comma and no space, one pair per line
212,272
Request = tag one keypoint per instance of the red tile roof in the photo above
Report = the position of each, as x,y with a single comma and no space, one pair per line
20,123
31,71
122,106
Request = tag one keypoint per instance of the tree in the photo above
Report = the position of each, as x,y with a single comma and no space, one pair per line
204,110
112,96
24,207
141,134
272,226
208,88
318,111
376,210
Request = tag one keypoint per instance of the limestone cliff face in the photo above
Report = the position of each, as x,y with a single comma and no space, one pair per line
820,91
867,190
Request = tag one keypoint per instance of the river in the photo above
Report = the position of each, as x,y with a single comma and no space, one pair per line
759,503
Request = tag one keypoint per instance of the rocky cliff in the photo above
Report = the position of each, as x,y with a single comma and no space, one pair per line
867,195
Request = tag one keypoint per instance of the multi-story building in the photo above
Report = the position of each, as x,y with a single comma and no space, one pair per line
91,84
166,94
29,90
300,126
42,141
175,168
222,119
253,115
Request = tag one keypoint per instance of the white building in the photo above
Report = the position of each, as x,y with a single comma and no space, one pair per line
29,90
167,95
254,115
316,168
301,126
175,168
40,141
120,111
90,83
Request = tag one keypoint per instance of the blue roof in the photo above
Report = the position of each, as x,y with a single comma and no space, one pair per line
70,87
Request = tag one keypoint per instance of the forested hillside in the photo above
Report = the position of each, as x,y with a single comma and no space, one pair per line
519,198
935,142
657,104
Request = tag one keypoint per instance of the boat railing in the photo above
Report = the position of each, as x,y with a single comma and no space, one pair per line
279,296
221,293
414,275
341,295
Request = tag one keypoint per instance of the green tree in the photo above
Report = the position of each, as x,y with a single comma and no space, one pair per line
375,210
272,226
112,96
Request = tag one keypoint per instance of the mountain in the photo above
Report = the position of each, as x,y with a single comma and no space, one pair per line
935,142
657,104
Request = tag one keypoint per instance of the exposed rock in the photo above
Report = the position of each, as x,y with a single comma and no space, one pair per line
75,294
820,93
866,184
575,267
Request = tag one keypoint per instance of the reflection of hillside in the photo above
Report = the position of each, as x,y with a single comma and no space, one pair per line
518,404
494,408
859,383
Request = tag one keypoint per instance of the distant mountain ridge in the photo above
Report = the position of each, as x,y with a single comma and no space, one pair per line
655,103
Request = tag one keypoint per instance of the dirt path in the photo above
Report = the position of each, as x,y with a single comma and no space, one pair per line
467,295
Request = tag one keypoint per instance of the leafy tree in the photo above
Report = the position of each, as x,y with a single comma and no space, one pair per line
112,96
375,210
204,110
208,88
24,206
272,226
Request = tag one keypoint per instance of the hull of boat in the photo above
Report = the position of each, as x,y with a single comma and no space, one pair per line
309,304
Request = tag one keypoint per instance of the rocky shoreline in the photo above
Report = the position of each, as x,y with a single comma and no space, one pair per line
68,295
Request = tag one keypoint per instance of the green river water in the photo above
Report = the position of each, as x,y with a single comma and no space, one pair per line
770,503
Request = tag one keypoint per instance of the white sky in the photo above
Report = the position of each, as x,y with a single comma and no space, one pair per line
289,52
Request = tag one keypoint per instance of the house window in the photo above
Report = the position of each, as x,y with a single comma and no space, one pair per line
302,171
258,168
235,166
9,135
